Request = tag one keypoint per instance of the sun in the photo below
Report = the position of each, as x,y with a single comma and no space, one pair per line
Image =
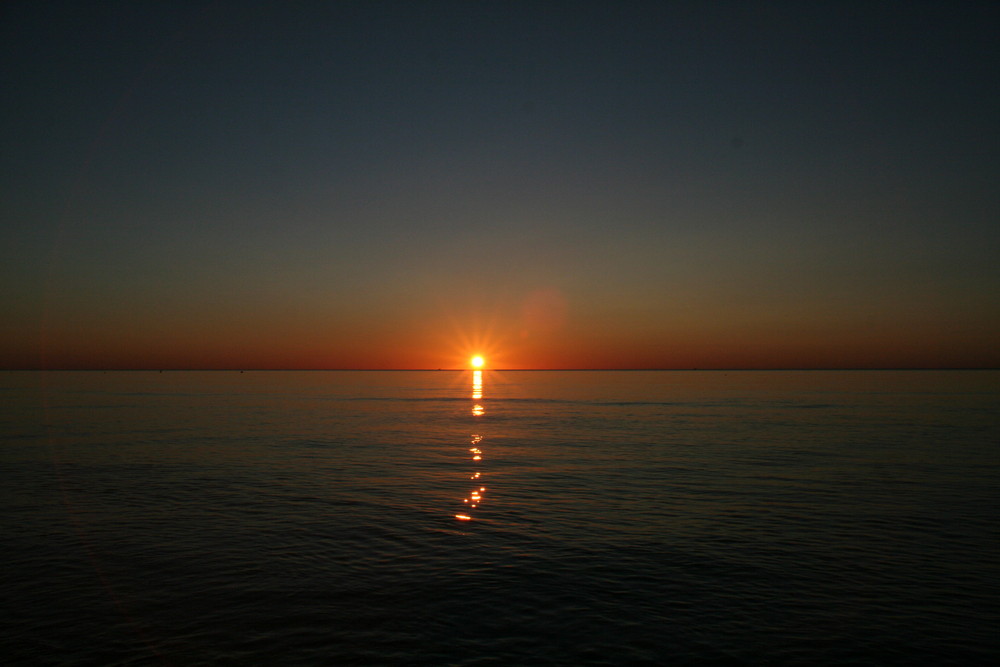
477,361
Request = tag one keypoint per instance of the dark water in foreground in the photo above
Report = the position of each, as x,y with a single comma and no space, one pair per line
622,518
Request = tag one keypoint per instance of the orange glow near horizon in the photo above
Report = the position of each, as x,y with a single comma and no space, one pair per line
262,338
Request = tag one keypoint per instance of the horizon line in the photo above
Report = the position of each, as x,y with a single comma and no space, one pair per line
423,370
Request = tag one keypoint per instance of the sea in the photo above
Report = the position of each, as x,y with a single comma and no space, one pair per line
500,517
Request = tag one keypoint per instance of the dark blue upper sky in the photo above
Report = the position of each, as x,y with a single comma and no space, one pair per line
681,183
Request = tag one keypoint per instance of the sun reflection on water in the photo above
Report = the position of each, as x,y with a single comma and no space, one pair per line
475,496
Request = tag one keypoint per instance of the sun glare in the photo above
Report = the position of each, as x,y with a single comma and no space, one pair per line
477,361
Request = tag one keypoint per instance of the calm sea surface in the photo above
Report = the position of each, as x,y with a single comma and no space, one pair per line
437,518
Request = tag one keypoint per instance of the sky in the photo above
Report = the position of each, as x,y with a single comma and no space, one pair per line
553,185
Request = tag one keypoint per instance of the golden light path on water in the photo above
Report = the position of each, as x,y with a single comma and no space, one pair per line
477,385
476,493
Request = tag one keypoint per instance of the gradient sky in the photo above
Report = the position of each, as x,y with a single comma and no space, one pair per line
599,185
